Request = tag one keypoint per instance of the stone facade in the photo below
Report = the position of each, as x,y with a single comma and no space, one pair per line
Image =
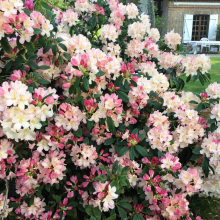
174,14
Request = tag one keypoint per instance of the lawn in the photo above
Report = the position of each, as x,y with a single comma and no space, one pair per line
207,208
215,77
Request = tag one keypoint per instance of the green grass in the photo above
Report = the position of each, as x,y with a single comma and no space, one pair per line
207,208
215,77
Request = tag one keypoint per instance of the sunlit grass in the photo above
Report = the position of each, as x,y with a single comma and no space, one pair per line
207,208
215,77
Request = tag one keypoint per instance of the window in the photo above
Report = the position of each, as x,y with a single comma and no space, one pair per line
200,27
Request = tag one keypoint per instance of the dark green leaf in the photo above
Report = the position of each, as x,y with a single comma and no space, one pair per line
193,102
123,151
132,153
97,213
125,205
46,48
109,141
54,50
8,65
196,150
101,178
88,210
115,167
43,81
100,73
122,213
111,125
188,78
194,157
57,198
63,46
86,84
112,217
122,96
71,89
67,56
59,39
141,151
90,124
5,45
37,30
125,170
205,166
30,46
45,5
44,67
78,133
32,65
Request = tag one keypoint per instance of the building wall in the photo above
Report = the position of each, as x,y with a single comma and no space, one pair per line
175,14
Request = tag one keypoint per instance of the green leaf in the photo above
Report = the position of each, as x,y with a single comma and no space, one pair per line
46,48
122,96
44,67
118,81
45,5
205,166
78,133
141,151
30,46
63,46
43,81
194,157
32,65
71,89
188,78
193,102
57,198
67,56
142,136
199,107
132,153
5,45
201,80
31,201
112,217
115,167
86,84
109,141
13,204
92,218
97,213
101,178
125,170
90,124
8,65
196,150
59,39
37,30
88,210
100,73
123,151
125,205
122,213
111,125
54,50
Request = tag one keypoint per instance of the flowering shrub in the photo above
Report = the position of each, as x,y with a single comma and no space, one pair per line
93,123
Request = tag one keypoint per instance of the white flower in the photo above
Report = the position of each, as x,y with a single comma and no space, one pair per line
46,28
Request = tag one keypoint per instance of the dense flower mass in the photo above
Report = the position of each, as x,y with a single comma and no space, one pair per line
93,120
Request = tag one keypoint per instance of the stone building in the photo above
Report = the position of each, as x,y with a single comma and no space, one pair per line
193,20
